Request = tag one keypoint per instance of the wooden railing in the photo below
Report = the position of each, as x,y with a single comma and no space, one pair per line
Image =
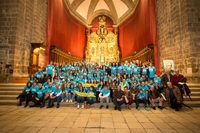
145,55
58,55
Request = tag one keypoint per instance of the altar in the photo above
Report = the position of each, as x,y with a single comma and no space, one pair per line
102,46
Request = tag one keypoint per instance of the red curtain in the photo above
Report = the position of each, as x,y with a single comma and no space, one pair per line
139,30
63,30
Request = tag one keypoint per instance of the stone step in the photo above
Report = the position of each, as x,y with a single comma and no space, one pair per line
11,88
197,93
8,97
10,92
12,84
194,98
193,84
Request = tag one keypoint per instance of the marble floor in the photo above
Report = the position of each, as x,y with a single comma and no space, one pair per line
15,119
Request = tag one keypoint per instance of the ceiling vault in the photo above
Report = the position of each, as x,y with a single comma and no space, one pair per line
86,10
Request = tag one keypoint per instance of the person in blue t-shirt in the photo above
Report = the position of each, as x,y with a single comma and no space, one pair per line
98,90
38,96
144,70
33,90
113,69
139,78
157,79
38,74
65,91
63,75
145,88
80,99
141,98
50,70
152,71
48,91
31,79
90,100
135,70
55,96
44,72
25,93
104,96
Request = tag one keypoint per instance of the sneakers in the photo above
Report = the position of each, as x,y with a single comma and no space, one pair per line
62,101
57,106
128,106
66,101
160,107
107,106
101,107
70,101
146,108
82,107
119,108
77,106
138,108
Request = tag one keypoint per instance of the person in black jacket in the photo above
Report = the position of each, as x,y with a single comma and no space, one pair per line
167,77
118,98
25,93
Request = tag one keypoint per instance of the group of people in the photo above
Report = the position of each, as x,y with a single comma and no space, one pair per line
86,83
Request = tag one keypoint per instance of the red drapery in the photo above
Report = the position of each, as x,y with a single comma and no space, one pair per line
63,30
139,30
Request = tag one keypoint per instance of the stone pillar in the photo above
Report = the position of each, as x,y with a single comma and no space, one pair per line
178,27
22,22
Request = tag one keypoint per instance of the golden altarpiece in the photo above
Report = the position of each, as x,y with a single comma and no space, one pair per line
102,46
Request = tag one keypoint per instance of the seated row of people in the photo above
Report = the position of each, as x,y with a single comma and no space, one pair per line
39,94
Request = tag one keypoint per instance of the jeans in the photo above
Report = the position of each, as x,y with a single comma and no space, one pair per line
80,99
89,100
118,103
66,96
51,101
72,96
36,103
137,101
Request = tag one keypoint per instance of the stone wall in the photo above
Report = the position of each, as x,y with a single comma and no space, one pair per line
178,34
22,22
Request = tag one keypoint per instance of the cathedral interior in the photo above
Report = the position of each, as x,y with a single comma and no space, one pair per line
34,32
163,33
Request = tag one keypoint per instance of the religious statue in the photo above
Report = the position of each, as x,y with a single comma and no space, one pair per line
101,45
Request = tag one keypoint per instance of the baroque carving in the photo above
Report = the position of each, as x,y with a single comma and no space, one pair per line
102,46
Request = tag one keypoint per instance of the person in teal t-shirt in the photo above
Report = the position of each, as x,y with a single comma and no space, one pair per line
55,96
90,100
38,97
104,96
